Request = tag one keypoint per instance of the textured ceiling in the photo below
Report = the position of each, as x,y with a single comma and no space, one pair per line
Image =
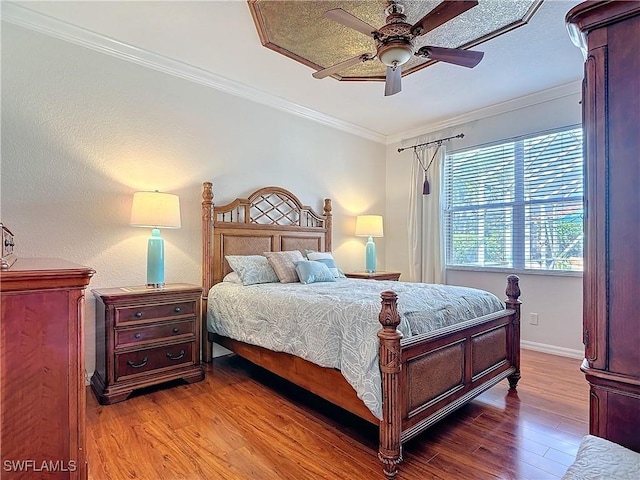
221,37
299,30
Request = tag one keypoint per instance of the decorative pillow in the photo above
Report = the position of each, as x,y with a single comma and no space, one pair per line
284,264
232,277
310,271
327,259
252,269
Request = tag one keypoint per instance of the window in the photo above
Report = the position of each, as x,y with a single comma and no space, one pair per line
516,204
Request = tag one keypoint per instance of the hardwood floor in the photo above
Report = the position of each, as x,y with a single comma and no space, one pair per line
244,423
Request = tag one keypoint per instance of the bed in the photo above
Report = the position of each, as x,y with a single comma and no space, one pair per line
422,377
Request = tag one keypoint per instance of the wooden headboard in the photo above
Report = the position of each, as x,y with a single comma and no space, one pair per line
271,219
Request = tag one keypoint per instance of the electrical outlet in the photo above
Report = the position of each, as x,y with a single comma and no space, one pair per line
533,318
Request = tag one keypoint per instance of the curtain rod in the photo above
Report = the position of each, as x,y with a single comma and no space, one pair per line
439,142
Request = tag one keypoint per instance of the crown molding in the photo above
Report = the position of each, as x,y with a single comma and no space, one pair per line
504,107
26,18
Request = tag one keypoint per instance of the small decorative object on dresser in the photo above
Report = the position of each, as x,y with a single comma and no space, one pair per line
145,337
374,275
8,257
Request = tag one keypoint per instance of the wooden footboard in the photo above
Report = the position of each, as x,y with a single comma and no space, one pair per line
426,377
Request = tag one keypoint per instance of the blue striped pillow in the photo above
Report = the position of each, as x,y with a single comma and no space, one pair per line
327,259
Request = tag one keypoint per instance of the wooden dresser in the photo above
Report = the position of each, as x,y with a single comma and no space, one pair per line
609,35
42,369
145,336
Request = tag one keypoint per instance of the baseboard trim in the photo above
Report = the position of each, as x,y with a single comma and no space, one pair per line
552,349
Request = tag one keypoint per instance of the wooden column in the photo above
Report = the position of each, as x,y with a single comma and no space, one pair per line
207,262
328,224
512,303
390,452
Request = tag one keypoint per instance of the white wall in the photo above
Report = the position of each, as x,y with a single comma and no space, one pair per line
557,300
81,131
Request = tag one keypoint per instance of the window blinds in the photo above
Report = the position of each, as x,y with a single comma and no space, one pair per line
516,204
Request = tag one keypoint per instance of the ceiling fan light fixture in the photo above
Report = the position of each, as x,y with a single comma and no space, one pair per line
394,54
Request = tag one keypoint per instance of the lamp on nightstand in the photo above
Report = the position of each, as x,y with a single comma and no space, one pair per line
369,226
155,210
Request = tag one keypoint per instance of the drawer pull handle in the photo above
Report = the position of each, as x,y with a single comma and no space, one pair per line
175,358
138,335
138,315
177,309
132,364
176,330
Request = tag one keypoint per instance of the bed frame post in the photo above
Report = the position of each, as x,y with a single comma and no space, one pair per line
328,224
390,453
207,262
512,302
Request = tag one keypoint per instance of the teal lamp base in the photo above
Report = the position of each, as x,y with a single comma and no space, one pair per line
155,260
370,264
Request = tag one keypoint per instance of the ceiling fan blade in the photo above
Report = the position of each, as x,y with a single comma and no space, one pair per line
338,67
393,81
345,18
444,12
457,56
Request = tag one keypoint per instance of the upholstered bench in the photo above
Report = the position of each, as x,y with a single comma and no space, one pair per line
600,459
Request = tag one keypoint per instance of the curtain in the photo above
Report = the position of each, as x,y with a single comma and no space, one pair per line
424,222
414,219
432,225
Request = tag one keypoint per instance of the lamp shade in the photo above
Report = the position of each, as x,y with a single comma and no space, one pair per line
155,210
369,226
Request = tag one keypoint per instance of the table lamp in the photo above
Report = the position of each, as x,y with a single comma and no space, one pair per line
369,226
155,210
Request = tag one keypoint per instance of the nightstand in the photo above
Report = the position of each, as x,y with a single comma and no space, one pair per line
375,275
145,336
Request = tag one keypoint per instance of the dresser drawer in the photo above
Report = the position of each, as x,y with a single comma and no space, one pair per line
157,332
147,313
166,357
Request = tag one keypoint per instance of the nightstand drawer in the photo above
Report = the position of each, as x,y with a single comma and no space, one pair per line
148,313
165,331
130,364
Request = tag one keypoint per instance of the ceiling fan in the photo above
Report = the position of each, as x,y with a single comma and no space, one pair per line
395,40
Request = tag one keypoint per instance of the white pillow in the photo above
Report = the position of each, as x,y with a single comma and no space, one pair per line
232,277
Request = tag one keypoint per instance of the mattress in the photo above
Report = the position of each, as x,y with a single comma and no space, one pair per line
335,324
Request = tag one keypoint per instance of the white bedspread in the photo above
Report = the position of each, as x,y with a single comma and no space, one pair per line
334,324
